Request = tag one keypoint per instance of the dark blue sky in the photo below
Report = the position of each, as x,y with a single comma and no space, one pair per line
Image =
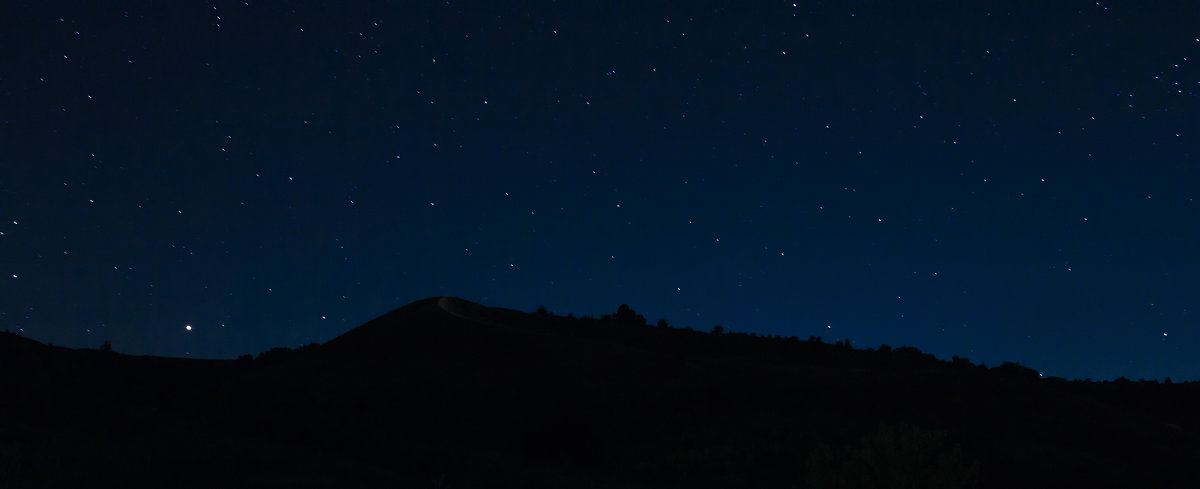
995,180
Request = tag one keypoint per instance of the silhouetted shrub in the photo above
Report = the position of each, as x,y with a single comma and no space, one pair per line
893,457
541,311
625,314
718,329
106,346
960,362
662,322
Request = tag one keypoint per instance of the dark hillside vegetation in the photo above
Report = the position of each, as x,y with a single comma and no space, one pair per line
447,393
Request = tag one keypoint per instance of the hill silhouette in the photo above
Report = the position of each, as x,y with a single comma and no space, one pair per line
448,393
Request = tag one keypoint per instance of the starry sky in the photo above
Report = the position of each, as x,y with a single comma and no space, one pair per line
999,180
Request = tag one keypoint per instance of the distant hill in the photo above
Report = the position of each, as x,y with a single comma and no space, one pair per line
446,393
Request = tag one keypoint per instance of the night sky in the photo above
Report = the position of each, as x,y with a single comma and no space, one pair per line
999,180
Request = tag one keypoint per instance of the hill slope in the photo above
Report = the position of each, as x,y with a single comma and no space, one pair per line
447,393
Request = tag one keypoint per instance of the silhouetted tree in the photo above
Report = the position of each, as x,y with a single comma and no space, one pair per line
541,311
662,322
106,346
625,314
718,329
639,319
960,362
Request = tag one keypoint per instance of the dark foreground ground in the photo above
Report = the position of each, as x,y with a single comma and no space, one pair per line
446,393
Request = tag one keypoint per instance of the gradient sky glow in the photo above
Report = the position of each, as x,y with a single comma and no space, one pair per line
999,180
